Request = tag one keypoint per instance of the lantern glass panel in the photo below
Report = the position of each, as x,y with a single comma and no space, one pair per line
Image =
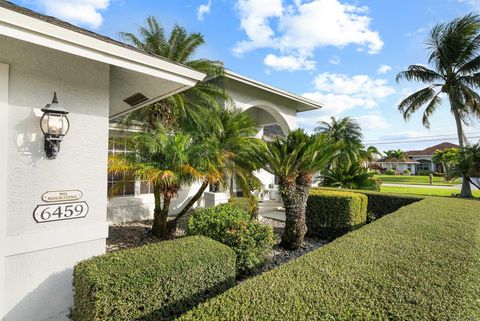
54,124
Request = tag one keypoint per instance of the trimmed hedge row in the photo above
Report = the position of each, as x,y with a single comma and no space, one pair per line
419,263
380,204
153,282
251,241
331,214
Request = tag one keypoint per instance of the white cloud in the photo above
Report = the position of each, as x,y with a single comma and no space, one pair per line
340,93
335,60
372,122
83,12
290,62
300,28
383,69
203,9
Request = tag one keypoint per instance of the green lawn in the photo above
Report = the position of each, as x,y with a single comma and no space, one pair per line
419,263
414,180
424,191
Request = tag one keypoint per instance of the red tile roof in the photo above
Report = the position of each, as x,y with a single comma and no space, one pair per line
431,150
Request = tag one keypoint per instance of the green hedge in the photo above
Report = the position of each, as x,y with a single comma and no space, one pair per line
331,213
226,223
420,263
381,204
152,282
249,204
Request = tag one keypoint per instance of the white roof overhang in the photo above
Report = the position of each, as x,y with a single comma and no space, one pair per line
132,70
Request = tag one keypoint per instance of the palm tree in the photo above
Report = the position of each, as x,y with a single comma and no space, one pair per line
454,55
220,153
346,130
469,163
180,46
194,154
163,160
352,176
367,155
294,159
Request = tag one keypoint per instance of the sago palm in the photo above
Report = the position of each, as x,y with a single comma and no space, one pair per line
352,176
180,46
294,159
345,130
455,74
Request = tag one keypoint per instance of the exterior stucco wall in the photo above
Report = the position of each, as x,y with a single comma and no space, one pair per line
140,207
246,97
39,257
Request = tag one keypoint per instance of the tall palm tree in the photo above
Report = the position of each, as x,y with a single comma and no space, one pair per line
367,155
294,159
180,46
455,73
346,130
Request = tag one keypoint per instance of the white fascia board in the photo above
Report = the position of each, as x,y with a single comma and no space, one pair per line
29,29
252,82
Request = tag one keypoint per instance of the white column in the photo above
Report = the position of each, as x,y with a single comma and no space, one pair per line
4,72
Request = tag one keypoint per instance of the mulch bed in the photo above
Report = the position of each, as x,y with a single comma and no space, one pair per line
137,233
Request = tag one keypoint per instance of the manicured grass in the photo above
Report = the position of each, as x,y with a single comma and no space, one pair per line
424,191
414,180
419,263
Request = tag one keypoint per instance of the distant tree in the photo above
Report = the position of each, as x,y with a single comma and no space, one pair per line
469,163
179,46
367,155
454,55
345,130
448,158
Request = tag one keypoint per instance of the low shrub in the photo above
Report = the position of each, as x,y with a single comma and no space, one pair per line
249,204
381,204
390,172
407,172
331,214
250,240
153,282
422,172
420,263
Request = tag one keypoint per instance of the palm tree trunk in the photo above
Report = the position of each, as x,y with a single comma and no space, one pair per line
466,188
295,228
172,225
160,214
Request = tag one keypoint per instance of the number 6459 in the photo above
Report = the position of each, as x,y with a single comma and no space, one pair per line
57,212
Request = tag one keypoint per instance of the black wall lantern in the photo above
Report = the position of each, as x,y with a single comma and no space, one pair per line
54,125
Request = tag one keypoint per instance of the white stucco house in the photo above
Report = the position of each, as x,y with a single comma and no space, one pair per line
53,166
275,112
92,76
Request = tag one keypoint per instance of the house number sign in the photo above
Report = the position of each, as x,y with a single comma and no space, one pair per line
61,205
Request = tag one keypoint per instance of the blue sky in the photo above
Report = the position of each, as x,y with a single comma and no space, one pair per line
344,54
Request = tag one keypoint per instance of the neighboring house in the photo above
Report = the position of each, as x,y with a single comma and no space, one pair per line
275,112
92,75
418,160
424,157
398,165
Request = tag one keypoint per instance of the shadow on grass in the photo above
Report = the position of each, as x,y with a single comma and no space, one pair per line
174,309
